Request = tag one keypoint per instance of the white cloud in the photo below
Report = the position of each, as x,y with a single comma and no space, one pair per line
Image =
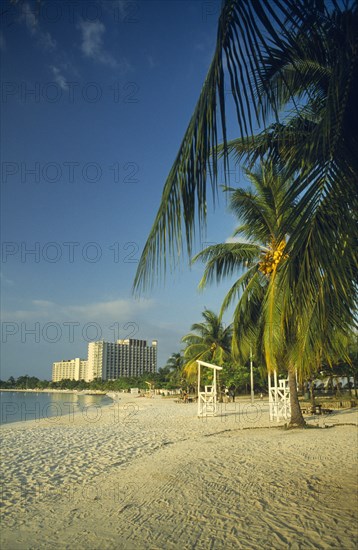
29,18
116,309
58,77
125,65
24,315
242,240
46,40
120,310
235,240
42,303
92,42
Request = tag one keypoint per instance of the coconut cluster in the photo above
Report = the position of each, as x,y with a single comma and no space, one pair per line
272,257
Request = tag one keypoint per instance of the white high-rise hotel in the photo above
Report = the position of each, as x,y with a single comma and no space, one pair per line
72,369
109,361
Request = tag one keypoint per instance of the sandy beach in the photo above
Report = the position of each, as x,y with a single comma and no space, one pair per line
148,474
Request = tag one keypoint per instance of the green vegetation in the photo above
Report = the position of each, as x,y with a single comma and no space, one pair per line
174,375
166,378
265,317
209,341
292,67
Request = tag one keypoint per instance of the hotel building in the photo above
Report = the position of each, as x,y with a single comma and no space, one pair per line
130,357
109,361
72,369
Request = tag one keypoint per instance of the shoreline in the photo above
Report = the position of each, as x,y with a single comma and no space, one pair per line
51,390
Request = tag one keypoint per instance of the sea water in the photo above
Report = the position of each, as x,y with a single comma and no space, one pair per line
49,407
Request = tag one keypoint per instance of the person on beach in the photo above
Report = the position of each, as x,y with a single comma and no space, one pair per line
232,393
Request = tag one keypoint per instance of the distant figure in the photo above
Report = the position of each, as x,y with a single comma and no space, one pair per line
232,393
261,396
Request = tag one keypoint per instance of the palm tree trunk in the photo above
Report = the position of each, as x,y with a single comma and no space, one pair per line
312,393
297,420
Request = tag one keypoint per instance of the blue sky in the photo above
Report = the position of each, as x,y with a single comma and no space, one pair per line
95,101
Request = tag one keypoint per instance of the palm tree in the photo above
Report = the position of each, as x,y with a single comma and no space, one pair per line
209,341
313,65
259,254
264,313
175,365
175,362
294,62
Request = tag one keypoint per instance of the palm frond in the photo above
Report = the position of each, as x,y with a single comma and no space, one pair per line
225,260
246,31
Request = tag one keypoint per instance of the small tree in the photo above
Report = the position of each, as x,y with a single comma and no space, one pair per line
209,341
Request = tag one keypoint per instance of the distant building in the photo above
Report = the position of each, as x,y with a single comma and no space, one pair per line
72,369
130,357
109,361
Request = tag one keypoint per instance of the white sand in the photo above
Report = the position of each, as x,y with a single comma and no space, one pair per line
148,474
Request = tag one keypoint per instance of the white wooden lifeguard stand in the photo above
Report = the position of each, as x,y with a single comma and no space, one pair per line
279,398
207,400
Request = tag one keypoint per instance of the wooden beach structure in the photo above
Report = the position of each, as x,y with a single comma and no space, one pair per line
207,399
279,398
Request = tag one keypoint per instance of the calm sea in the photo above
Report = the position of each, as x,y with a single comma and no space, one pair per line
49,407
